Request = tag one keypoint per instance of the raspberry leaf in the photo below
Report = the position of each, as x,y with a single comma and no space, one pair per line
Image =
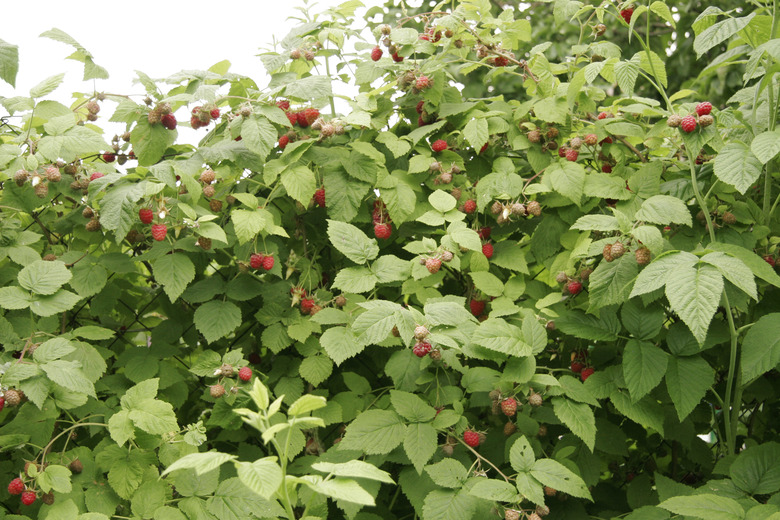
761,347
420,443
352,242
174,272
694,294
644,365
578,417
217,319
43,277
375,432
688,379
554,474
736,165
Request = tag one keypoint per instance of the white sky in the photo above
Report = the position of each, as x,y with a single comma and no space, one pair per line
158,37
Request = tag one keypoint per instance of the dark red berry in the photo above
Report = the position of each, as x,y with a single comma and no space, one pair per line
574,287
214,113
471,438
169,121
487,250
477,307
383,231
470,206
688,124
28,498
439,145
319,197
586,373
146,215
268,262
256,261
704,108
245,373
16,486
376,53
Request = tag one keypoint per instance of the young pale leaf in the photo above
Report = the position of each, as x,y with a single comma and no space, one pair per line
200,462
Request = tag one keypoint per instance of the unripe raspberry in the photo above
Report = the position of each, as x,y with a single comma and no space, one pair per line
87,212
204,243
433,265
496,208
93,107
617,250
207,177
215,205
446,178
517,209
511,514
209,191
509,428
457,193
328,130
41,190
534,136
227,370
575,143
421,332
447,256
600,29
533,516
642,256
309,55
674,121
435,355
50,257
561,277
53,174
535,399
422,83
607,252
93,225
447,450
542,432
550,492
550,325
533,208
20,177
217,391
47,498
542,510
585,274
159,232
509,406
706,120
729,218
340,301
591,139
295,54
154,116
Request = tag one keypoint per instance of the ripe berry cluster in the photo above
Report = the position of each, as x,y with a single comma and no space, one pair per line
202,116
383,227
258,260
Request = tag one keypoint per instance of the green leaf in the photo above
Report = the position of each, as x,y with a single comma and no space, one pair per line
420,444
449,505
611,282
577,323
694,294
258,135
54,478
14,297
447,473
234,501
761,347
118,208
91,69
766,146
718,33
300,183
202,463
344,195
568,179
154,416
578,417
756,264
476,133
52,349
340,344
9,62
78,141
390,268
355,280
411,407
68,374
642,323
557,476
263,476
626,73
664,210
500,336
121,427
658,67
494,490
656,275
596,223
174,272
44,277
706,506
374,432
354,468
217,319
352,242
646,412
734,270
757,469
60,301
530,488
521,455
736,165
88,279
468,238
47,86
316,369
488,283
305,404
150,141
148,498
340,489
442,201
644,365
247,224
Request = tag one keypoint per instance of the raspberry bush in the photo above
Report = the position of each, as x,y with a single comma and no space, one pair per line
512,278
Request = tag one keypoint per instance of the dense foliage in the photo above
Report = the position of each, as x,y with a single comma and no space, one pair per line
530,273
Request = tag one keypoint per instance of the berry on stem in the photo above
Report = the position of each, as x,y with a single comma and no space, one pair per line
688,124
439,145
28,498
704,108
422,349
470,206
146,215
477,307
509,406
433,265
382,231
376,53
268,262
256,260
574,287
471,438
487,250
245,374
16,486
586,373
159,231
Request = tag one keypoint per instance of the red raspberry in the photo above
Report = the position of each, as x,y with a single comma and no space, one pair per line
770,260
301,118
571,155
704,109
283,104
245,373
2,403
470,206
487,250
603,115
420,107
16,486
397,58
256,261
306,305
376,53
484,147
159,231
484,233
439,145
214,113
95,175
195,122
283,142
433,265
319,197
146,215
562,151
169,121
28,498
311,115
109,157
627,14
477,307
509,406
421,349
586,373
268,262
471,438
422,83
606,140
501,61
688,124
591,139
577,366
574,287
292,117
606,168
383,231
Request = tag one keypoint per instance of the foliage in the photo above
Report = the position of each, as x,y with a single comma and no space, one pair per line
507,282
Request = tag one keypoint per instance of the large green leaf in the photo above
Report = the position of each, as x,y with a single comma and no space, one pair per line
721,31
557,476
258,134
174,272
644,365
578,417
757,469
688,379
665,210
568,179
217,319
766,146
449,505
420,444
300,183
761,347
735,164
611,282
501,336
374,432
694,294
150,141
9,62
43,277
263,476
705,506
352,242
118,208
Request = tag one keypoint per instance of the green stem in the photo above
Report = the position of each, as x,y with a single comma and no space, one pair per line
332,102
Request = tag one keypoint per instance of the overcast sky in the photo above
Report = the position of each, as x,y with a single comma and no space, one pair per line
158,37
